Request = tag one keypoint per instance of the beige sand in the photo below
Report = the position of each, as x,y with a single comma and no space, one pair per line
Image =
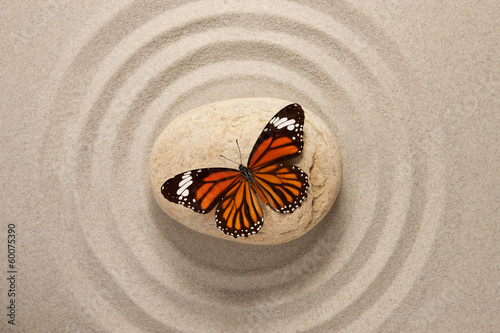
410,90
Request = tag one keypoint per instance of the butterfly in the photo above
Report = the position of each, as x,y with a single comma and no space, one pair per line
283,187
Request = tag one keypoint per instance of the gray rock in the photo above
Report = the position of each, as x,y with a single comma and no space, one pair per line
197,138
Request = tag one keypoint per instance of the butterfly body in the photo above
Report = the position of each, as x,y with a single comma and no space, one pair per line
283,187
246,173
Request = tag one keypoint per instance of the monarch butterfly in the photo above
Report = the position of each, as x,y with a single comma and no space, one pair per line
283,187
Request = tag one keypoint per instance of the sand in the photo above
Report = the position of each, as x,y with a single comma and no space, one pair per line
411,91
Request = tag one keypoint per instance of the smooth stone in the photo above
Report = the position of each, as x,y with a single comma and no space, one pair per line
197,138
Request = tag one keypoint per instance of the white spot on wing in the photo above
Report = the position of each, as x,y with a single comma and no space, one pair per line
187,179
184,187
281,121
288,124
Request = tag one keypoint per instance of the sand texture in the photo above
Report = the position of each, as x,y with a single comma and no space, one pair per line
410,90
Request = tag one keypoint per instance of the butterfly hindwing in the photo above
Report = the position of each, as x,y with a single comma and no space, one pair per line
281,139
283,187
200,189
239,213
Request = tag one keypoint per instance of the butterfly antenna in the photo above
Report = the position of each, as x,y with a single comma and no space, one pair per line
228,159
241,160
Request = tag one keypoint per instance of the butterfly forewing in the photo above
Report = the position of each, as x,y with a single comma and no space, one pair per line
283,187
239,213
281,139
200,189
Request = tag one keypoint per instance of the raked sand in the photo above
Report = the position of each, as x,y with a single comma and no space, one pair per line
410,90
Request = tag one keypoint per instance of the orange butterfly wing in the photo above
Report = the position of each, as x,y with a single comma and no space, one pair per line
200,189
281,139
283,187
239,213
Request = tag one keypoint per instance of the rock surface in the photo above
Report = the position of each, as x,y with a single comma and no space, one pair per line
197,138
